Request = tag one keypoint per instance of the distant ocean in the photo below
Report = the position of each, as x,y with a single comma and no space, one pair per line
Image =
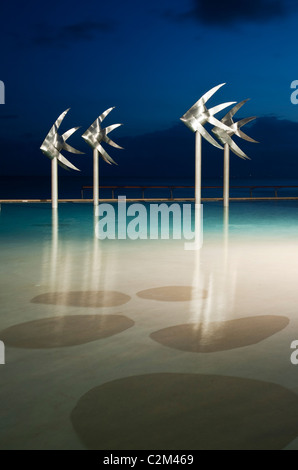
39,187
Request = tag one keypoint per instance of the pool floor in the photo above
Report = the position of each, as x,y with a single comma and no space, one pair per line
142,344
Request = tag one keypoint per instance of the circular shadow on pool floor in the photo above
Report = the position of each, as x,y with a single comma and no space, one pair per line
220,336
171,294
186,411
94,299
63,331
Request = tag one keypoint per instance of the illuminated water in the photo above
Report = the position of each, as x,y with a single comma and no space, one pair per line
256,219
79,313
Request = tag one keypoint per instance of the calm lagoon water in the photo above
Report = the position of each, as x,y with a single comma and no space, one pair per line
28,222
100,332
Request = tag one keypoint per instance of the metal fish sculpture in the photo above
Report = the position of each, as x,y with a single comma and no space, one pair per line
225,137
55,143
198,115
95,135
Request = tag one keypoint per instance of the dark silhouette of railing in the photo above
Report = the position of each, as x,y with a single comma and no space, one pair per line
172,188
171,196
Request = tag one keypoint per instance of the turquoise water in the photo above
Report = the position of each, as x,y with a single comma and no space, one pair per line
33,222
78,313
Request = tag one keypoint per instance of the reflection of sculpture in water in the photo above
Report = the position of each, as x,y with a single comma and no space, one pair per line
216,275
198,230
73,276
65,270
54,250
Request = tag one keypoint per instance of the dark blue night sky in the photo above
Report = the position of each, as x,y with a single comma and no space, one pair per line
152,60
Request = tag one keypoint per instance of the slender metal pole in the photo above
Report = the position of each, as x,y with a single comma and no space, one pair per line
226,188
95,178
54,183
198,169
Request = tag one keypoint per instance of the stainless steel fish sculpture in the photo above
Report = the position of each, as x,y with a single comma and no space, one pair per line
54,143
234,129
198,115
94,135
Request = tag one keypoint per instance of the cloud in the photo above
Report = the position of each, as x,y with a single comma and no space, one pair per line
226,13
232,11
83,31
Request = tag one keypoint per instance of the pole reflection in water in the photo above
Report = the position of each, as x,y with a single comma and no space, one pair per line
54,250
213,285
198,232
77,270
68,261
226,216
228,280
201,284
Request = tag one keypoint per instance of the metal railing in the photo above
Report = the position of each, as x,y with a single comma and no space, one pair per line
276,189
172,188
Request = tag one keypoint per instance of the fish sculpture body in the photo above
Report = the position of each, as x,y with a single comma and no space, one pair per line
95,135
198,115
54,143
225,137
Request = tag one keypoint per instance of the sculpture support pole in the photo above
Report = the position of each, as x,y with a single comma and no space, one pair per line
226,188
198,168
95,178
54,183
